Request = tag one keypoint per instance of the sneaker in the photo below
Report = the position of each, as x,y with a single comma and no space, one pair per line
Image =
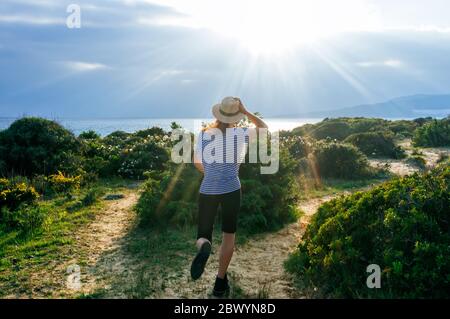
199,262
221,287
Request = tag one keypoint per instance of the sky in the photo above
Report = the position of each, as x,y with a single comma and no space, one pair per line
176,58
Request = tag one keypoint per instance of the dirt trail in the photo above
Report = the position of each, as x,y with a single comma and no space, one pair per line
102,240
257,266
402,167
97,252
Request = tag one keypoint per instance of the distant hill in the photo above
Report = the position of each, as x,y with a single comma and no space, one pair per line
404,107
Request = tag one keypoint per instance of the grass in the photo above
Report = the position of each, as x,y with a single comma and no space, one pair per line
23,255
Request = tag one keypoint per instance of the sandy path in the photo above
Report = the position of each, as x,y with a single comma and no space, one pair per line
257,266
402,168
103,240
97,252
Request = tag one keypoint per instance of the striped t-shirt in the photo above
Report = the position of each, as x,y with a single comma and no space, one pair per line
221,155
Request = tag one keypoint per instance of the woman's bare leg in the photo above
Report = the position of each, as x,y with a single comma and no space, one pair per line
226,253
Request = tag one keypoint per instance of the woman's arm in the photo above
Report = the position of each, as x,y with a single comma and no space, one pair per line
198,164
259,123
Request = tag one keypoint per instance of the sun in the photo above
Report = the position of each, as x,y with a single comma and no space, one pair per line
269,27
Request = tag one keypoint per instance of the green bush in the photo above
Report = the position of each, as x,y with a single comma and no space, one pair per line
341,128
142,157
337,160
169,198
333,129
28,218
89,135
268,201
13,195
298,147
38,146
417,161
402,226
101,158
401,128
433,134
125,154
61,184
376,144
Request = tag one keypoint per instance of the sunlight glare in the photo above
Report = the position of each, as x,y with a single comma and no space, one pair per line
273,26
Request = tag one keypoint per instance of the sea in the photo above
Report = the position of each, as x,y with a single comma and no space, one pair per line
107,126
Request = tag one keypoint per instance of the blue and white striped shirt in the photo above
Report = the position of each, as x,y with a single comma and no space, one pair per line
221,156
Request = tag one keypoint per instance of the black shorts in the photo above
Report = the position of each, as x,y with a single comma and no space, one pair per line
207,211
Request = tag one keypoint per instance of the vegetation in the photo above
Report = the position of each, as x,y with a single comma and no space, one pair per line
51,182
329,159
169,199
376,144
401,225
13,195
37,146
433,134
338,160
341,128
417,161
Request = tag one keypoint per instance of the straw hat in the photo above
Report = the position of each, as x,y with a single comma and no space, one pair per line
228,111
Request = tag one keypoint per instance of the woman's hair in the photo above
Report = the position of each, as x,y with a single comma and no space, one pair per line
218,124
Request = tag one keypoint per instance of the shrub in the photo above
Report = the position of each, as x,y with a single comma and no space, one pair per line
341,128
61,184
100,158
13,195
169,198
268,201
417,161
127,155
376,144
402,128
145,156
28,218
154,131
433,134
337,160
90,197
299,147
89,135
402,226
331,129
38,146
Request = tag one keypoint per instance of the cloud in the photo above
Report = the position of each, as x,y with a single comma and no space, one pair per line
78,66
29,19
391,63
169,21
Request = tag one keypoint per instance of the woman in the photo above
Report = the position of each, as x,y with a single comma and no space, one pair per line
220,186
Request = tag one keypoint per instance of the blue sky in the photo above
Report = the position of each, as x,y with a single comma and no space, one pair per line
175,58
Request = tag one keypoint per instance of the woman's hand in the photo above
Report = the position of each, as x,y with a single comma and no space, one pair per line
259,123
242,108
